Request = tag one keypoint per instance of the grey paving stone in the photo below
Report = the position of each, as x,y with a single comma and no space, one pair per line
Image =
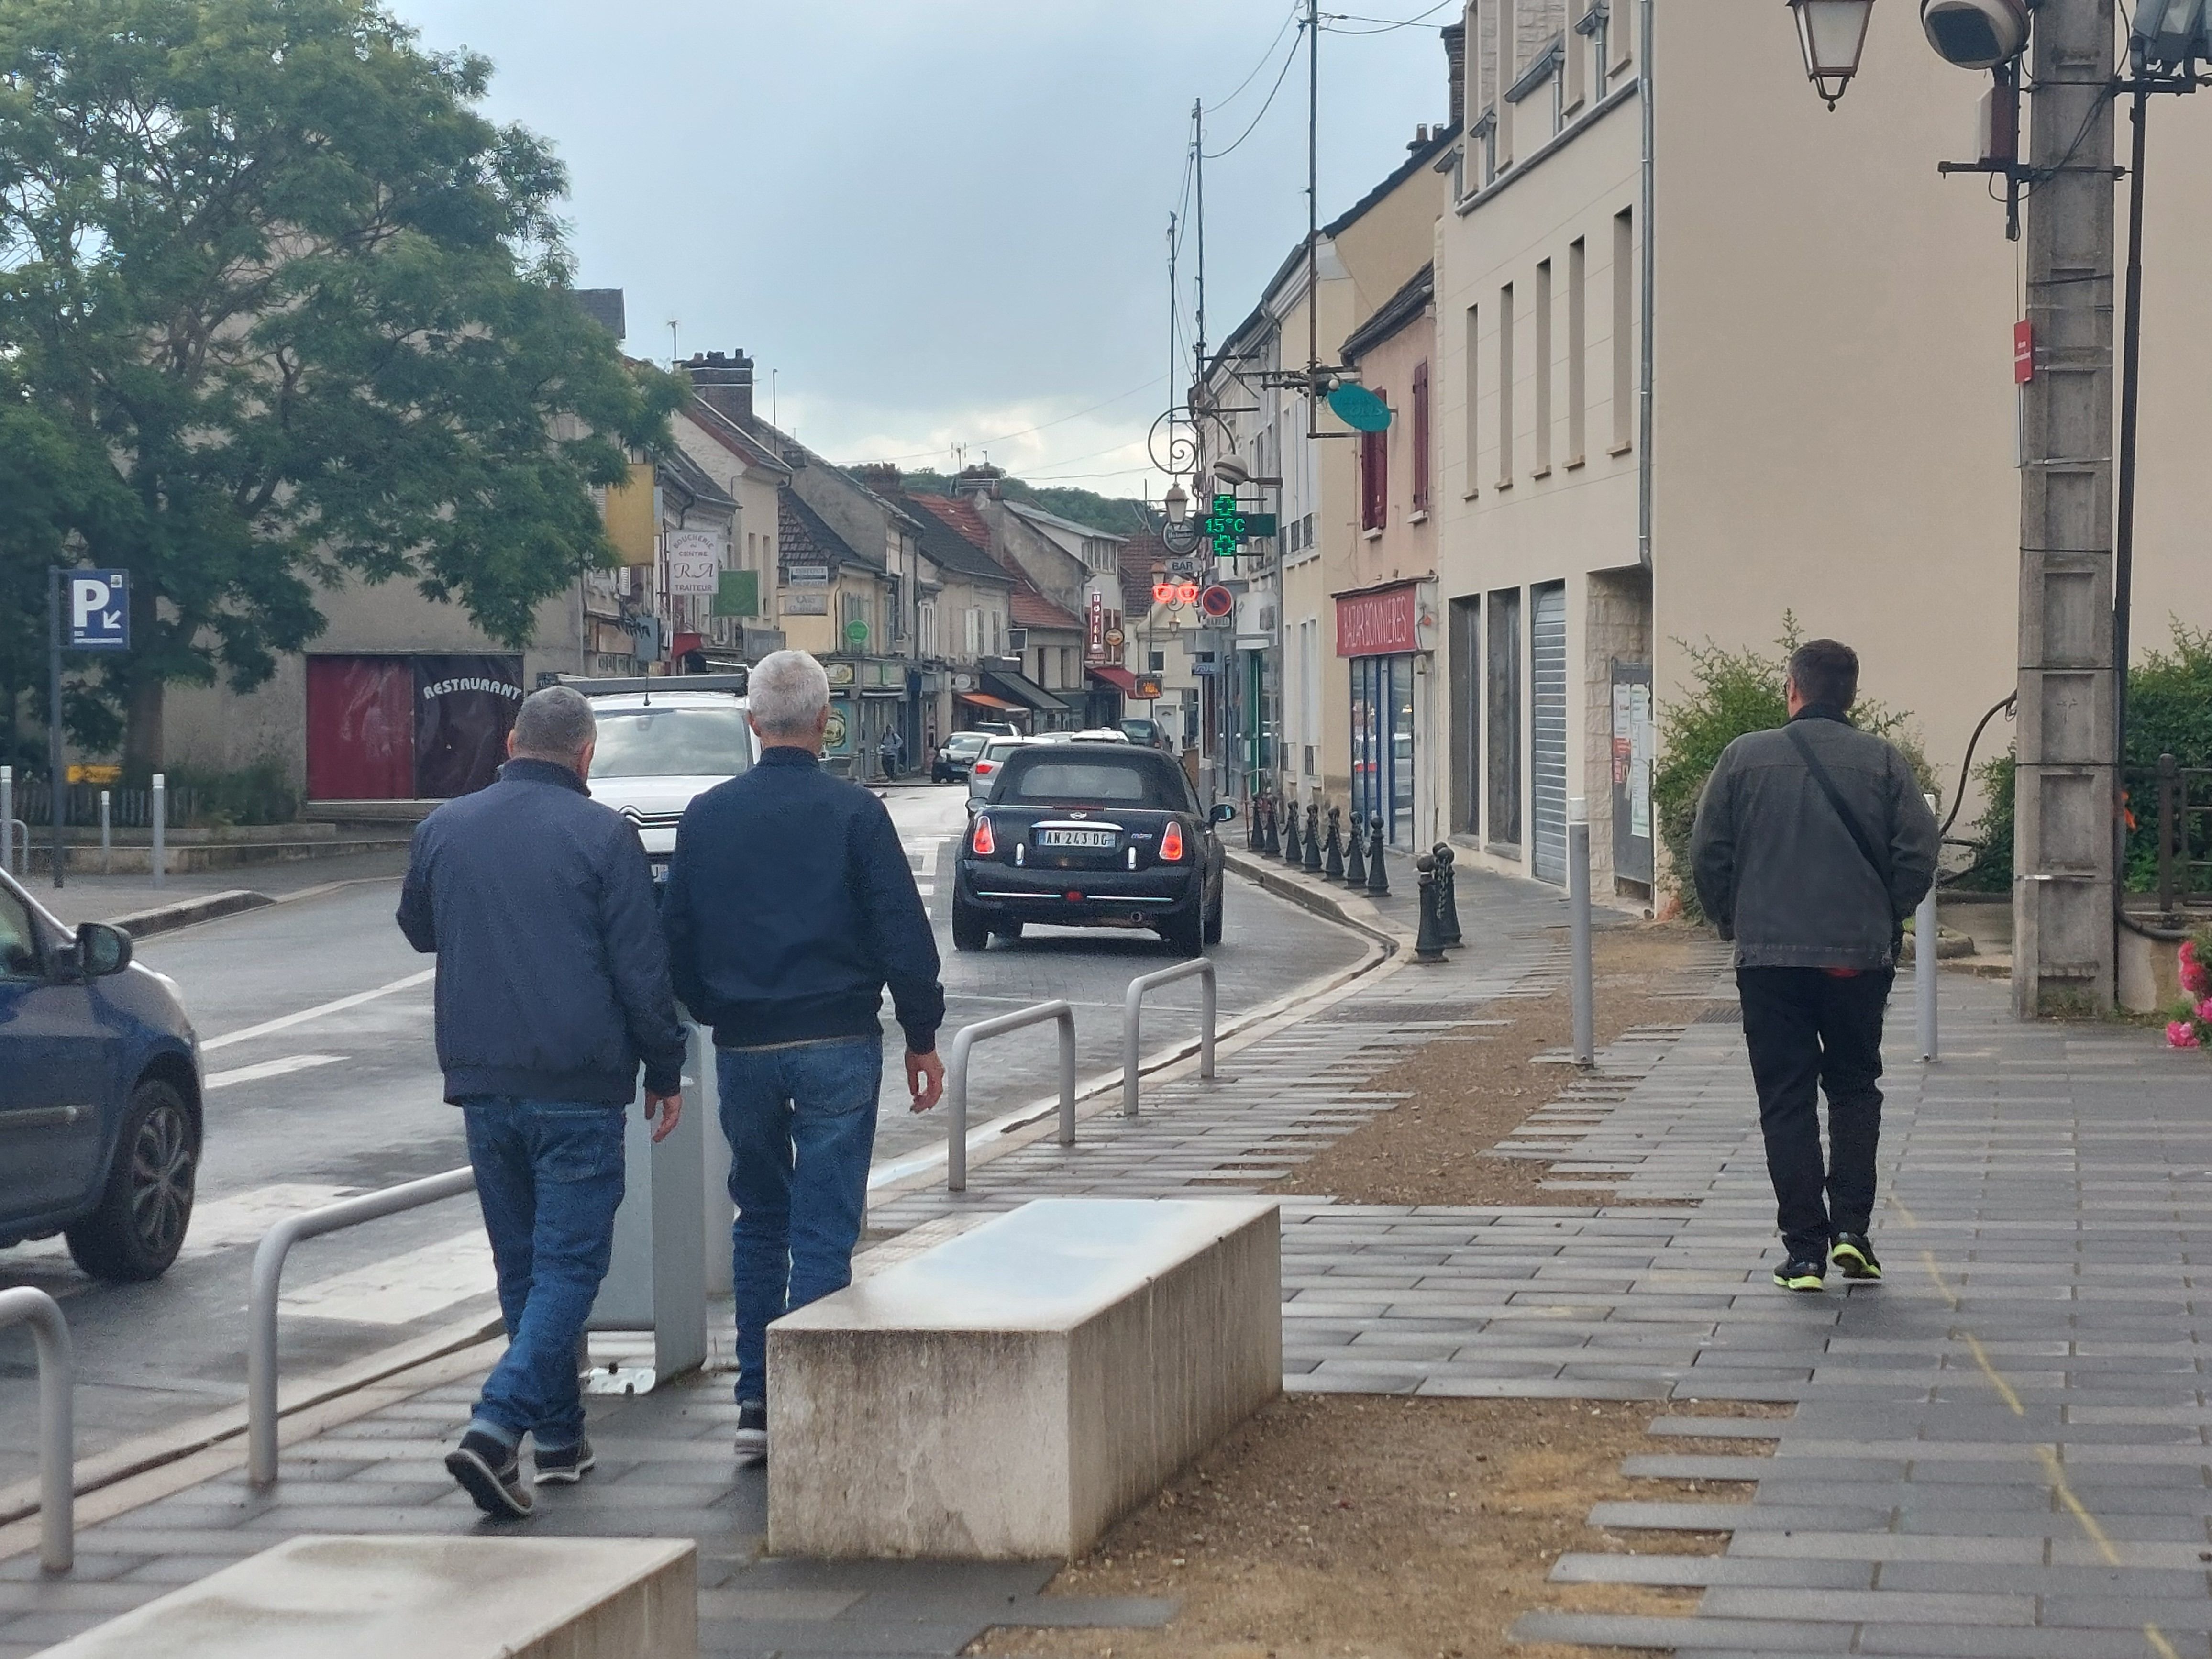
1733,1636
1867,1606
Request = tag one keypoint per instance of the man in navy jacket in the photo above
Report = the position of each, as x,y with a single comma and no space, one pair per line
552,986
790,905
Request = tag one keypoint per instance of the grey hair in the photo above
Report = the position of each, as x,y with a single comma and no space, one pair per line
554,725
786,693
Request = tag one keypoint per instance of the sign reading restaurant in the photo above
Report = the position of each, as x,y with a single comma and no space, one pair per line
1383,623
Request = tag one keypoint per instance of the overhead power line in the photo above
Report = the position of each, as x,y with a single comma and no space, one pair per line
1384,24
1289,58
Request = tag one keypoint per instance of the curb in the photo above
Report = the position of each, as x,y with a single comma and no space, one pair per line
167,918
1322,902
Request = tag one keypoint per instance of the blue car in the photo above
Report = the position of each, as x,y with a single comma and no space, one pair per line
100,1096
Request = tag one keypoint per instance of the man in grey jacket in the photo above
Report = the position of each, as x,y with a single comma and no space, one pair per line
1812,844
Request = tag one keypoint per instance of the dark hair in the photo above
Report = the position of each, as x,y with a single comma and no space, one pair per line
1825,672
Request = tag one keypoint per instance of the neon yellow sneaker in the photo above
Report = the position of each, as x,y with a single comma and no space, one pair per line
1854,1256
1800,1275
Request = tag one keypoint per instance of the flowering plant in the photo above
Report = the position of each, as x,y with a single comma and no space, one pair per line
2191,1024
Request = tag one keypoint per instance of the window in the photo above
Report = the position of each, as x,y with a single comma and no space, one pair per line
1623,330
1421,437
1577,75
1309,690
1617,35
1595,28
972,635
1505,387
20,956
1141,779
672,743
1067,674
1471,401
926,628
1577,350
1156,662
1375,475
1543,367
1502,685
1464,719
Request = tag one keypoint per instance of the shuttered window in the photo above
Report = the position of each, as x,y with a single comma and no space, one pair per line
1421,437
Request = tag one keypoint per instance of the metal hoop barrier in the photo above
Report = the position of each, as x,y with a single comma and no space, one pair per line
268,1273
57,1427
956,1079
1133,1017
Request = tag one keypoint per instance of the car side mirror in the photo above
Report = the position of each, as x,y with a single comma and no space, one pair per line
101,949
1223,811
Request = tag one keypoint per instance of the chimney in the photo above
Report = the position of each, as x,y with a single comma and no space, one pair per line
1455,36
879,476
724,383
979,481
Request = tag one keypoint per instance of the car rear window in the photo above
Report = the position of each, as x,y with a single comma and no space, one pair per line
1107,780
672,743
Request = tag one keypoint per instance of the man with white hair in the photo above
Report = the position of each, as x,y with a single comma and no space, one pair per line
552,986
790,904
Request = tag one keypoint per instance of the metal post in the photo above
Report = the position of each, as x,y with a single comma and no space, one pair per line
57,1427
160,810
956,1079
1927,942
2169,787
1578,930
1133,1019
8,818
54,776
107,825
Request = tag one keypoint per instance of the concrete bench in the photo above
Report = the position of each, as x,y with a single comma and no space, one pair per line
1008,1394
425,1598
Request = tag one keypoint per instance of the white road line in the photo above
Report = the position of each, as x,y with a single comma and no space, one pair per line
269,1068
288,1021
403,1288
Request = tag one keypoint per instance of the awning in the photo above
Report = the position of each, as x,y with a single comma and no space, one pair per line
1022,686
1120,678
984,700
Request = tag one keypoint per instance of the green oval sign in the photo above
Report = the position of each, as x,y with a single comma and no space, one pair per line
1359,409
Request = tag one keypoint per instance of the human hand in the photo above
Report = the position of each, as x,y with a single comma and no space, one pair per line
671,1111
925,1079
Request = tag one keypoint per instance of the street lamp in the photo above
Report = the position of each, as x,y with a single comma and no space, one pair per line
1832,34
1176,502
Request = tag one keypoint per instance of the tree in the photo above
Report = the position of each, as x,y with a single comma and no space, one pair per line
279,308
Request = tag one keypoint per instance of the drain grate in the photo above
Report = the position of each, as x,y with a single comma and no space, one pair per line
1727,1013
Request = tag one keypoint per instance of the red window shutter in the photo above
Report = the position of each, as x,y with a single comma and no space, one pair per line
1374,479
1421,437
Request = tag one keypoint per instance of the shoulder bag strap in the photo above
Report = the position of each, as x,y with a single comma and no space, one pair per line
1851,819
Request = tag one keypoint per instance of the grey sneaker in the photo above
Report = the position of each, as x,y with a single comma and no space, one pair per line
564,1466
752,1433
490,1473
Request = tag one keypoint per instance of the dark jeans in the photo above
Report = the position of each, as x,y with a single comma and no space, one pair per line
801,1123
1808,1031
548,1178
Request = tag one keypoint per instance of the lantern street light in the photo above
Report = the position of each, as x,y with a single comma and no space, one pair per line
1176,502
1832,34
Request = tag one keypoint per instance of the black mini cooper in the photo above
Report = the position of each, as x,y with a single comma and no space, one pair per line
1082,835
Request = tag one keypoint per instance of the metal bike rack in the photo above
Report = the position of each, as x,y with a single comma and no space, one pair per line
268,1273
956,1079
57,1429
1133,1017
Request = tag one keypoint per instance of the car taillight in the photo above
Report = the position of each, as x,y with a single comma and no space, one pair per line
986,844
1171,843
985,766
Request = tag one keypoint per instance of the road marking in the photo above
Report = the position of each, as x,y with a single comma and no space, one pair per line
269,1068
401,1288
285,1022
224,1224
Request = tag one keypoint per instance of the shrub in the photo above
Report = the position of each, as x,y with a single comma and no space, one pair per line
1991,869
259,793
2191,1024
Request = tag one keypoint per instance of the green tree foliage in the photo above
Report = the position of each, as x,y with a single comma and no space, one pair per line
1116,515
280,308
1734,692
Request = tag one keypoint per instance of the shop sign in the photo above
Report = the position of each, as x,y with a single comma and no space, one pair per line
802,604
1098,624
840,673
695,560
1380,624
806,575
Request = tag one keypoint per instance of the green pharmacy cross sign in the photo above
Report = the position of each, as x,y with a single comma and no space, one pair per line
1228,528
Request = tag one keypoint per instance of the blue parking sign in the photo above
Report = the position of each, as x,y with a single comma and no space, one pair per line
99,610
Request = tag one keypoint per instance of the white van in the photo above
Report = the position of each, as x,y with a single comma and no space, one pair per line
662,742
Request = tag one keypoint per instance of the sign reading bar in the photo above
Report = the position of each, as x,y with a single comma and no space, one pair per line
1380,624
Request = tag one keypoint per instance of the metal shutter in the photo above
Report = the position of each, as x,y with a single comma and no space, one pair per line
1547,737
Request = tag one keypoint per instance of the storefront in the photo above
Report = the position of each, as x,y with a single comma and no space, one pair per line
408,728
1382,632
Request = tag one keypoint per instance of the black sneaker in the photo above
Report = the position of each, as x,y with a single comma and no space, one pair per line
1797,1274
752,1433
1854,1257
490,1473
564,1466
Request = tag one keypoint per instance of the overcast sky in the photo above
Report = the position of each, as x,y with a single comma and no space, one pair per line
942,222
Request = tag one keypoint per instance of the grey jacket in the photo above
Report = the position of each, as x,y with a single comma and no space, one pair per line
1776,871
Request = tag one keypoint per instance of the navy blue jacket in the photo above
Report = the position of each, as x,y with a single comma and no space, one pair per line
552,976
790,905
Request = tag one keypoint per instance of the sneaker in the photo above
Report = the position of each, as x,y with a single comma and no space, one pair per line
1801,1275
1854,1257
490,1473
752,1433
564,1466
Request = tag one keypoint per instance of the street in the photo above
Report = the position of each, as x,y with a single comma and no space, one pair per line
315,1020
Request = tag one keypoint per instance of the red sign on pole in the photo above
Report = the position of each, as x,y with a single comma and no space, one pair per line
2023,352
1378,624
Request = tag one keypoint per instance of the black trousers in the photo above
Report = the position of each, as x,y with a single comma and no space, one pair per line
1808,1031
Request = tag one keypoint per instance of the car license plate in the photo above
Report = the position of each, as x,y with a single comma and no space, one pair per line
1094,838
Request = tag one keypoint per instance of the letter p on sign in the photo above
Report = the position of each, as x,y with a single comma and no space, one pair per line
99,611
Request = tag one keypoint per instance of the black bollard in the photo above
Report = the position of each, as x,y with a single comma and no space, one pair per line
1446,896
1355,857
1331,864
1291,856
1428,948
1271,841
1378,883
1313,837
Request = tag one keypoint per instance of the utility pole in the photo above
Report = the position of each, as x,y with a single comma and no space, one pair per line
2065,887
1198,165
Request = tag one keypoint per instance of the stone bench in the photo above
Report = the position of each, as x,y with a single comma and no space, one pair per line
1010,1393
425,1598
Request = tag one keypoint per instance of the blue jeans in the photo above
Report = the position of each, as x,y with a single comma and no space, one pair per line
548,1178
801,1123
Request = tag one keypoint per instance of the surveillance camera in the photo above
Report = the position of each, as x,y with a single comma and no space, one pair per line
1976,34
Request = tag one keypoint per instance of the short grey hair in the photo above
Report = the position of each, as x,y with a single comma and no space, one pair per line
554,725
786,693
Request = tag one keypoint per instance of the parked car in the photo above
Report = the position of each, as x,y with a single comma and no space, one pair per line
1109,837
663,741
956,755
995,729
1140,729
985,767
100,1096
1099,734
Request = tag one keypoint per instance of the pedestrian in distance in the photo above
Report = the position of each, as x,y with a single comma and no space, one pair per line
790,904
892,751
552,988
1812,844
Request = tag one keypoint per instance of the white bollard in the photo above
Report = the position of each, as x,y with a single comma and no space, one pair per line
161,828
1925,942
1578,930
8,819
107,847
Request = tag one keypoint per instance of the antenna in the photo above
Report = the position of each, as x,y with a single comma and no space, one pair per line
672,358
1198,151
1313,187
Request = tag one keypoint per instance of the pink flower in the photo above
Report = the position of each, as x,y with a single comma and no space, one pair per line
2204,1011
2196,974
2180,1034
